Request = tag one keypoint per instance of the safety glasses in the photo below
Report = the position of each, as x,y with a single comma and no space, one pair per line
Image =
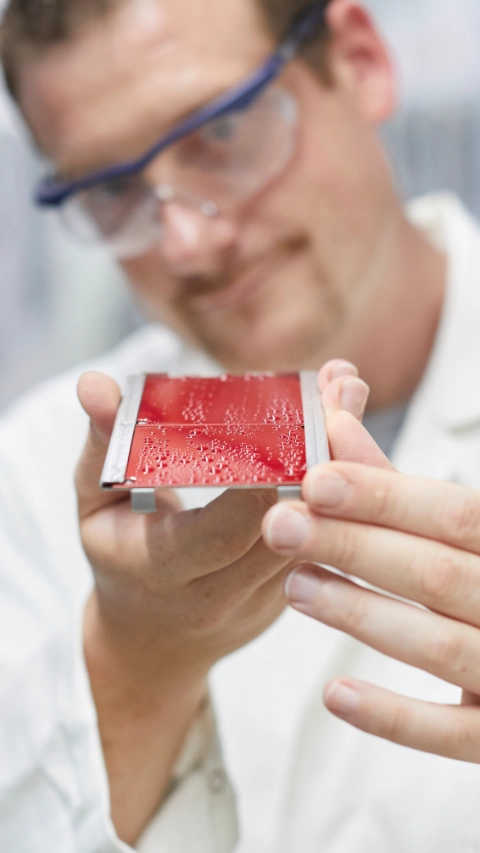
217,157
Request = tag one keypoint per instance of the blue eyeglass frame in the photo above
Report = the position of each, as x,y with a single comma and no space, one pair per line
53,193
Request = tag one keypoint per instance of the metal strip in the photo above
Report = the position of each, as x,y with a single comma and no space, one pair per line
289,493
143,501
115,468
316,441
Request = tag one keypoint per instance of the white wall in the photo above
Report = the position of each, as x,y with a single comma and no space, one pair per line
435,139
437,47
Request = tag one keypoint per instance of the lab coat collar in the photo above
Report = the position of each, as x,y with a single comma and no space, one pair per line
451,383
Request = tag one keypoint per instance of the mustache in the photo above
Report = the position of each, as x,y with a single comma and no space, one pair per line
198,285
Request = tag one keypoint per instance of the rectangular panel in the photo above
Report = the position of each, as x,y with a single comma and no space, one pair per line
216,455
253,398
246,431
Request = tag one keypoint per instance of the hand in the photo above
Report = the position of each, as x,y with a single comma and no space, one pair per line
174,593
413,538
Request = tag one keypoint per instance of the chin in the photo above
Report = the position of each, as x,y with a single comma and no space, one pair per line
276,353
272,331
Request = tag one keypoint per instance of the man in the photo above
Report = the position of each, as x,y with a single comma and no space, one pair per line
267,239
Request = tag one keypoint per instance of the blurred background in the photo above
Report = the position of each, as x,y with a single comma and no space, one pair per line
60,304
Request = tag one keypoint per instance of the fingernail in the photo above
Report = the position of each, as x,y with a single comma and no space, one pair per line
344,369
286,529
302,587
341,698
326,489
354,396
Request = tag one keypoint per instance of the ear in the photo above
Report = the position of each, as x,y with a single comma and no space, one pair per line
360,61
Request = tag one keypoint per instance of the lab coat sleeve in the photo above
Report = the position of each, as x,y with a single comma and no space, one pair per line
53,784
199,815
53,792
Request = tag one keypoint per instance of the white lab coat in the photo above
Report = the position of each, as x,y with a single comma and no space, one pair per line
304,781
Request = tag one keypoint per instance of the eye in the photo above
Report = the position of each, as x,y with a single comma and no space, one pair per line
115,198
115,190
223,129
112,204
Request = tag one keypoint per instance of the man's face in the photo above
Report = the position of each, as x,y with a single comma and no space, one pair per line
276,281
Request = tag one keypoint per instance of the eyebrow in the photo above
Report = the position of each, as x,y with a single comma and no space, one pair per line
70,175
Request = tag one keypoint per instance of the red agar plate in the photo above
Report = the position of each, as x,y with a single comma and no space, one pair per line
257,430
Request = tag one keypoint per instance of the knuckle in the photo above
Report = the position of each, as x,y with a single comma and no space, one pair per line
355,615
386,503
444,652
345,548
461,519
461,739
396,725
382,500
440,579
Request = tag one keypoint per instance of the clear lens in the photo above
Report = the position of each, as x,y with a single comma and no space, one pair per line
123,214
236,155
226,161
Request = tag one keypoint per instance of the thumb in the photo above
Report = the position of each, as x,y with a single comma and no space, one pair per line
100,397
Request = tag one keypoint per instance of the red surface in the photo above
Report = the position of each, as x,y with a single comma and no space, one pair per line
226,400
219,432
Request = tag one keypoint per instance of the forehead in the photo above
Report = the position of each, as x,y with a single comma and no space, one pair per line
128,77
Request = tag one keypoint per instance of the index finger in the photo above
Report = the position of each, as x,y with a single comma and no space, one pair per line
443,512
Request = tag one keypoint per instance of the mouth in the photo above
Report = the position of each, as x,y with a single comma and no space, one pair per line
237,290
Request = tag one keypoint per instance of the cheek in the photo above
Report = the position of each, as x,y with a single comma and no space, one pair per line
339,179
344,202
135,271
311,203
155,293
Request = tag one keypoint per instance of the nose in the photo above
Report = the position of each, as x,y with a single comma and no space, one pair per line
194,244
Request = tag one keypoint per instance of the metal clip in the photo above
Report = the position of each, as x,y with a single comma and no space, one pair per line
143,501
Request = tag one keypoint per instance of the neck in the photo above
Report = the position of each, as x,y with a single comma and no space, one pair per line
391,335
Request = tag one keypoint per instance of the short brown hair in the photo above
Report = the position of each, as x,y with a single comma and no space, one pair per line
31,26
